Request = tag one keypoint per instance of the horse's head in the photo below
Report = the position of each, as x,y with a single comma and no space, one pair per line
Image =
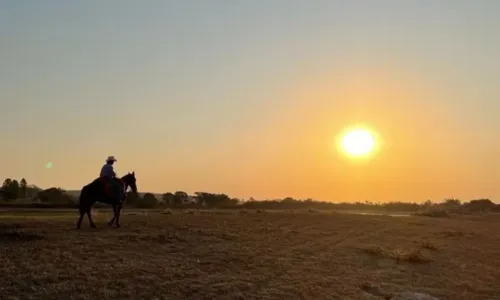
129,180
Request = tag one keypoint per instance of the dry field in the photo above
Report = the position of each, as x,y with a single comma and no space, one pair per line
247,255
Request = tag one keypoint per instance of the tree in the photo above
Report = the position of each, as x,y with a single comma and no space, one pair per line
180,197
452,202
289,201
168,198
480,205
234,202
148,201
56,196
428,204
32,190
14,187
200,198
132,198
10,189
215,200
23,185
7,191
6,183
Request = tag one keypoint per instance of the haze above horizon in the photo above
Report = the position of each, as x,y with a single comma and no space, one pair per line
248,98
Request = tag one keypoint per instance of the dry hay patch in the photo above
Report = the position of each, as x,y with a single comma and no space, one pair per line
453,233
16,232
414,255
251,256
166,212
159,238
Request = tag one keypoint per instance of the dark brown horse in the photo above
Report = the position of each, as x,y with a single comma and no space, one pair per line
96,191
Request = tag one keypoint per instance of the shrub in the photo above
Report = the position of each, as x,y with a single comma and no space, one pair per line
480,205
434,214
56,196
148,201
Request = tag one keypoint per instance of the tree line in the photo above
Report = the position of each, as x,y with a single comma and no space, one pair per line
56,197
13,189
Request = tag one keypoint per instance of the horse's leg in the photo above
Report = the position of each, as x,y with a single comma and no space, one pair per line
119,209
79,223
82,202
89,215
82,207
110,223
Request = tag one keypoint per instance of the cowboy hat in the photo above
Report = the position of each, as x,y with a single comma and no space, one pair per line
111,158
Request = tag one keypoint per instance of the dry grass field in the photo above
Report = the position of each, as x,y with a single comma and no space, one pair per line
247,255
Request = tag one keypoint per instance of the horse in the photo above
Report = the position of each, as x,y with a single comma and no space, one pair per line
96,191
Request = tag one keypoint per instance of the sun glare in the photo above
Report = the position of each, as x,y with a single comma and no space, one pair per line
357,142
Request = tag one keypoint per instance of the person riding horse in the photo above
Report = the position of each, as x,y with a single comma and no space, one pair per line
99,191
108,175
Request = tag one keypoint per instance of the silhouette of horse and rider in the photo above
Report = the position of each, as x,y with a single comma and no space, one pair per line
106,189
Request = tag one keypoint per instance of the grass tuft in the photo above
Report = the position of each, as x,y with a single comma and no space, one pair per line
413,255
429,246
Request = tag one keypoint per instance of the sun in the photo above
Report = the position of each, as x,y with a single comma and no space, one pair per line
358,142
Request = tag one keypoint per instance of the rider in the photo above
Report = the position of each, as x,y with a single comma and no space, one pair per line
108,173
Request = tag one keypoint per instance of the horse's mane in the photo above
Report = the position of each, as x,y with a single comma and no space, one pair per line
126,176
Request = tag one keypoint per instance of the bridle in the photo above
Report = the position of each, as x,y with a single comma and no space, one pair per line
125,186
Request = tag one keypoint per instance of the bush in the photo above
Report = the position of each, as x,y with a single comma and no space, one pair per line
148,201
480,205
132,198
56,196
434,214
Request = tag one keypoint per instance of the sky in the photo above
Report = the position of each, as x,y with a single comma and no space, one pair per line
247,97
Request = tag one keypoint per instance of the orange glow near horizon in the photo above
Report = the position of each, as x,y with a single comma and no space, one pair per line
404,159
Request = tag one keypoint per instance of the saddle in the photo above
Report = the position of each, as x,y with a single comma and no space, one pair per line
113,187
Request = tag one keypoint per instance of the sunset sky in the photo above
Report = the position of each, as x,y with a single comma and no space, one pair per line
248,97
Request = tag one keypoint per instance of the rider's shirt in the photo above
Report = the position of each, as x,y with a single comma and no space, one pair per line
107,171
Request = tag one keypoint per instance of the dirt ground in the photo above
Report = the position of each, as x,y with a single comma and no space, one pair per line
247,255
